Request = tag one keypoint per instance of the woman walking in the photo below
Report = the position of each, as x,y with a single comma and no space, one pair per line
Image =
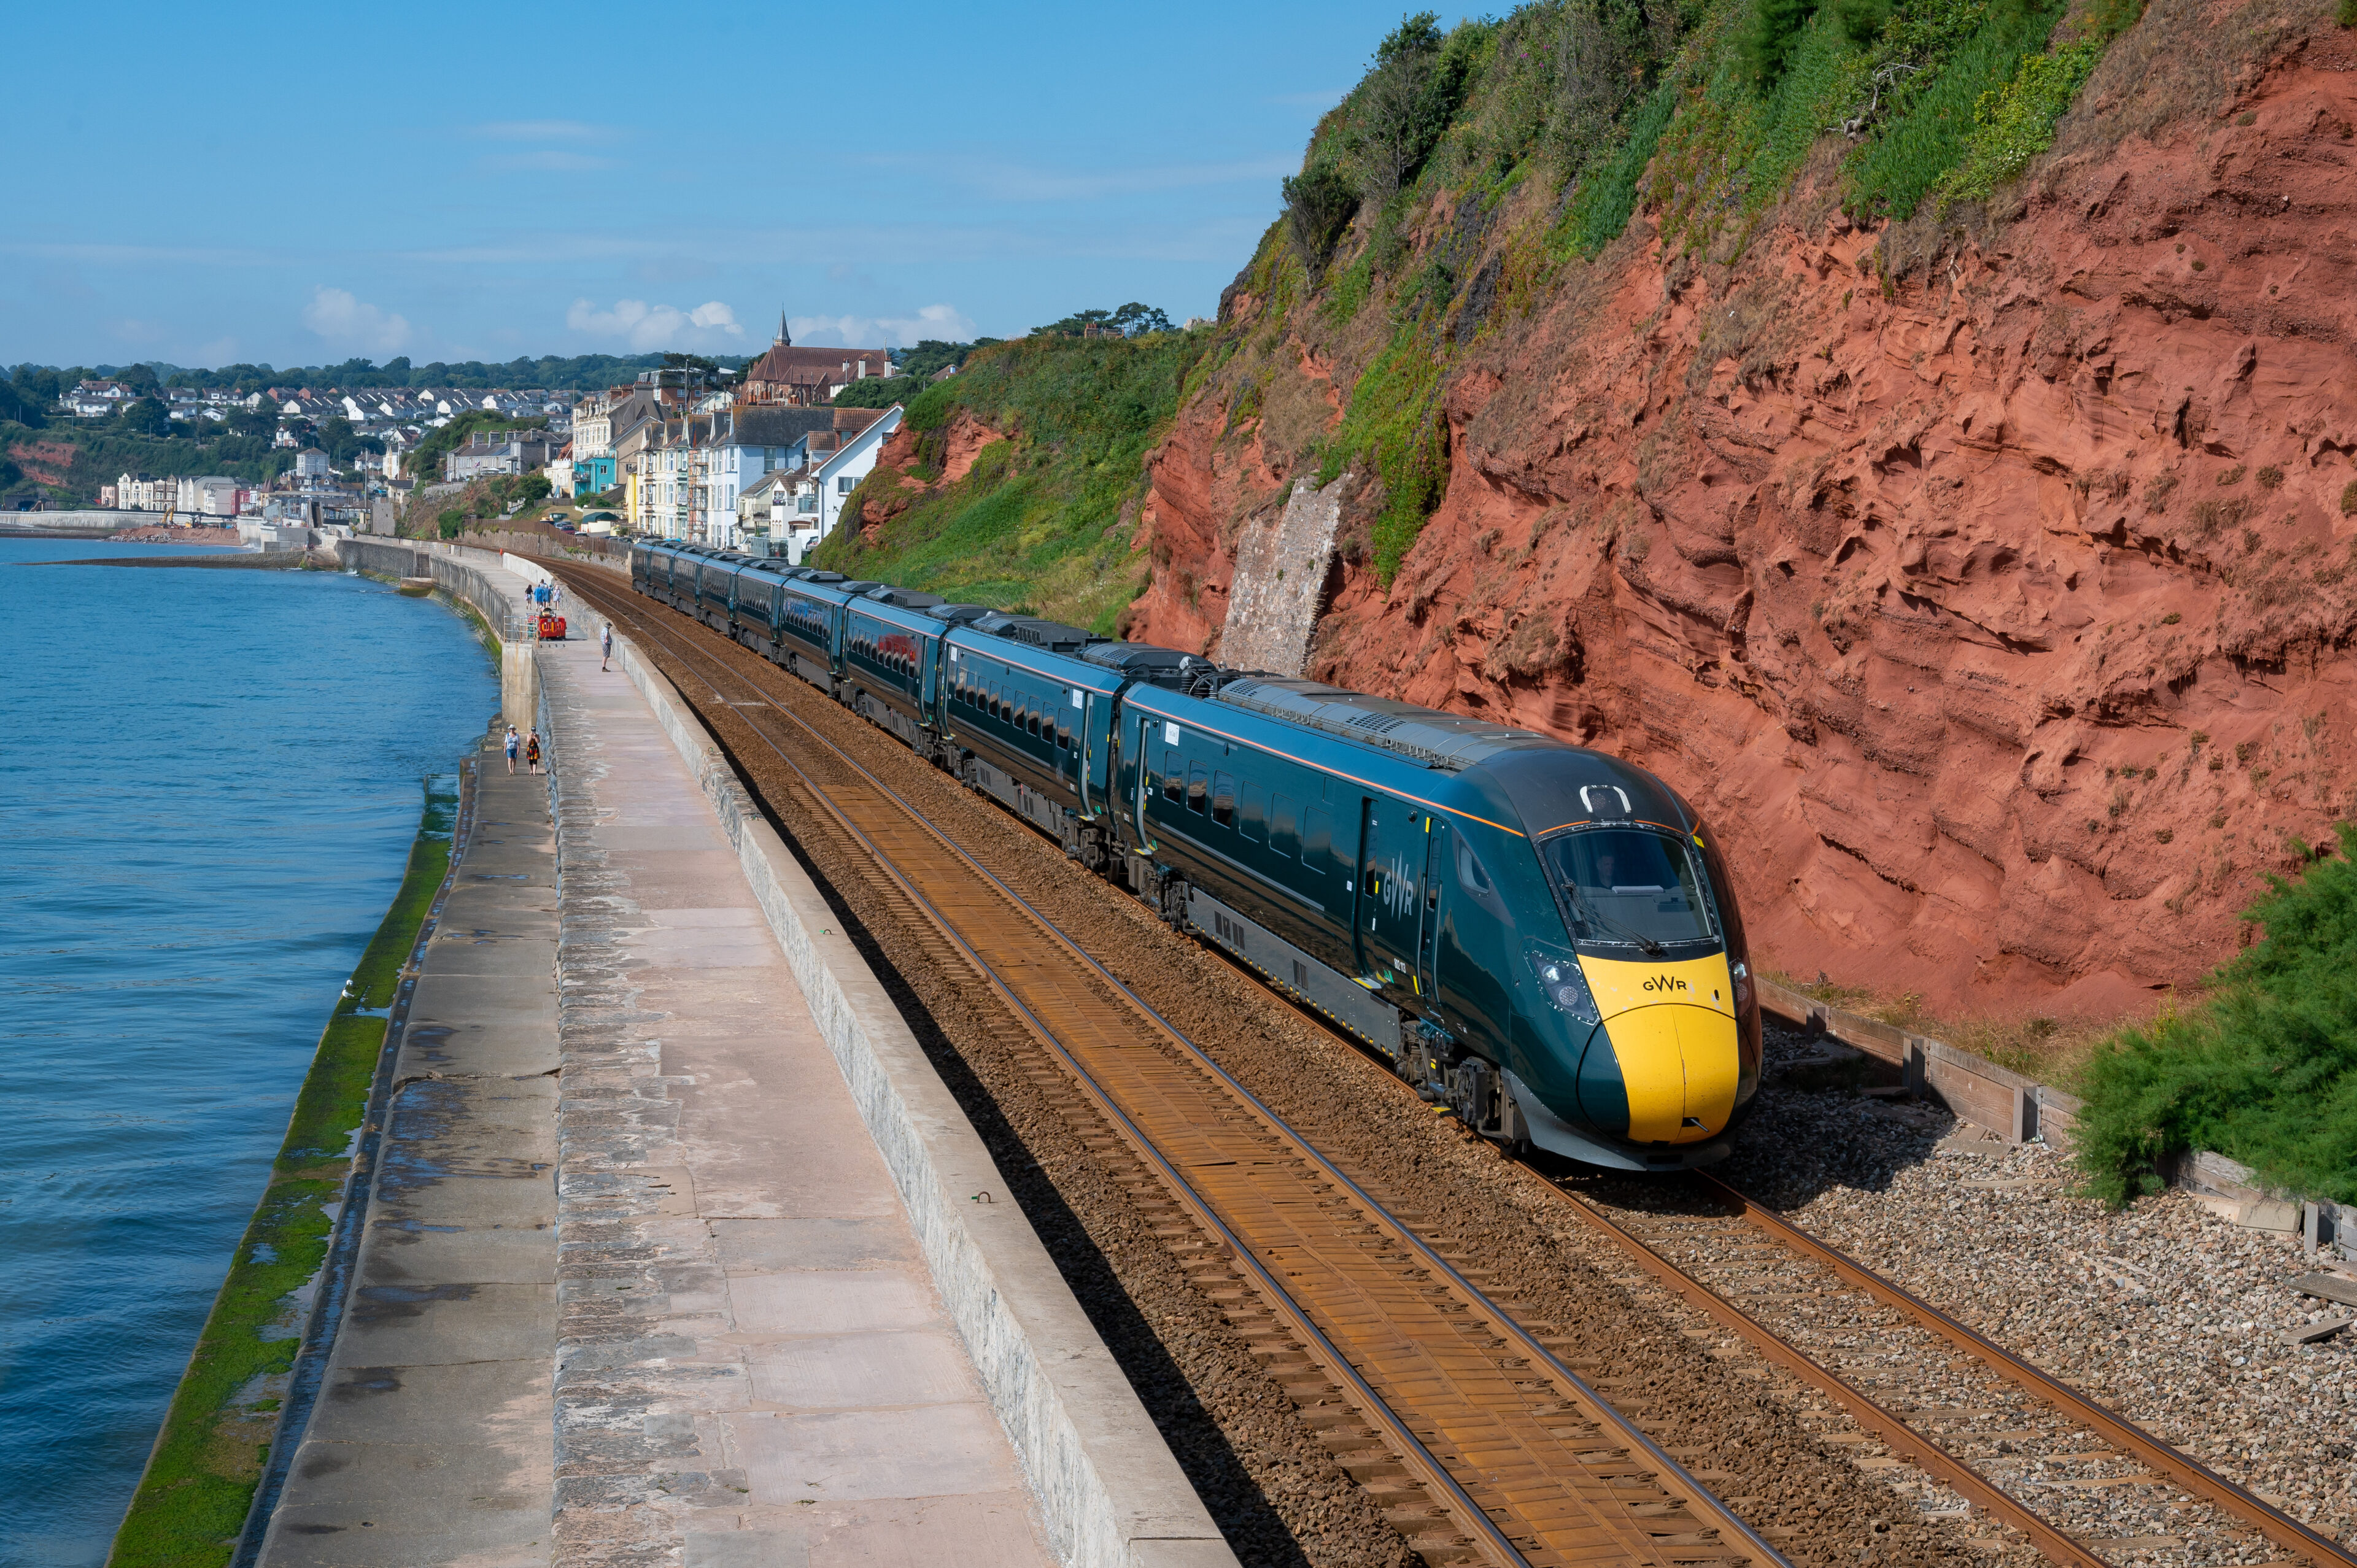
532,750
513,744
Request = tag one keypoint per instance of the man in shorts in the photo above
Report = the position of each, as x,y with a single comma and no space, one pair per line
605,645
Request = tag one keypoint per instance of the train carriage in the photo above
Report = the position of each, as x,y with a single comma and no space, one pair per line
891,657
1540,935
716,589
811,625
1032,723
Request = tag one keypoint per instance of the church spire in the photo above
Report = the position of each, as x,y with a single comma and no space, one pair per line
785,338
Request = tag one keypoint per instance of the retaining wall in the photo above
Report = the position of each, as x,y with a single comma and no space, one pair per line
2018,1110
1109,1491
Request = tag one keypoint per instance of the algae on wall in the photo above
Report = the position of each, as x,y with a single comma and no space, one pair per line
209,1454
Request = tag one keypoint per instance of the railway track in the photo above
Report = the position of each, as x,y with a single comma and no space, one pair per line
1445,1406
1982,1429
1457,1415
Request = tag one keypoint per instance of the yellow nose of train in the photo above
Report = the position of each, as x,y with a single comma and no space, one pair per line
1675,1035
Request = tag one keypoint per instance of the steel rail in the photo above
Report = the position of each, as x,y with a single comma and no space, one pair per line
2169,1463
1862,1408
1470,1514
1699,1502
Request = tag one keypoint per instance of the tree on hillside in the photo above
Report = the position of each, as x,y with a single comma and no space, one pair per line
23,405
146,416
1318,202
1404,105
1132,320
931,356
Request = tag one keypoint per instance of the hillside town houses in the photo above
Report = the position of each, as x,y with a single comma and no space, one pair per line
762,461
764,465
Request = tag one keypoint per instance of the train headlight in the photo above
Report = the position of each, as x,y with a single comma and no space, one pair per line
1566,987
1742,987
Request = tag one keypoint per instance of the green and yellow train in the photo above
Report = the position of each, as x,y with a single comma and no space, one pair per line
1535,934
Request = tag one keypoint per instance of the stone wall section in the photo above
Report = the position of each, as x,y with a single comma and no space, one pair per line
1282,561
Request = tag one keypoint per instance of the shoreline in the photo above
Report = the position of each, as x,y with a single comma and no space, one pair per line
227,1420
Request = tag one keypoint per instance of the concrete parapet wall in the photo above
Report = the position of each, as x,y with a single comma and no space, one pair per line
1110,1493
97,524
2019,1109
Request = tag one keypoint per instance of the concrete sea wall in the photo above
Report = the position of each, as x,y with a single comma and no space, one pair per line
1110,1493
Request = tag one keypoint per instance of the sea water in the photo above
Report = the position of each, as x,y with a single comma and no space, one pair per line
208,785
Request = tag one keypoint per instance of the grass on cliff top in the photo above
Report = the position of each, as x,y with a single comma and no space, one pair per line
193,1497
2264,1070
1038,523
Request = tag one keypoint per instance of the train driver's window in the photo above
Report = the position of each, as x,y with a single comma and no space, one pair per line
1199,786
1254,824
1283,830
1174,778
1223,798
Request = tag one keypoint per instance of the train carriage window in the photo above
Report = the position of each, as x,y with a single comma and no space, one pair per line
1316,840
1283,828
1254,822
1063,729
1474,877
1199,788
1174,778
1223,798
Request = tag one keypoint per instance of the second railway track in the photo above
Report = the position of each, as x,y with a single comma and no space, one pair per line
1454,1410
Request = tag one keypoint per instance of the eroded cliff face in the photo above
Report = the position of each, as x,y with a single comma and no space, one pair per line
1997,612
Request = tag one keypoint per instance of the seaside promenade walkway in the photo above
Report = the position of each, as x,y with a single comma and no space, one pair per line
754,1366
667,1264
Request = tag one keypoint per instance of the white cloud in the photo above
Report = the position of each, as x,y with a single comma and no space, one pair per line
646,326
346,323
942,321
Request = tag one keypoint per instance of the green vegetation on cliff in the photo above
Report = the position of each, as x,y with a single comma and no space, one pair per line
1477,170
1043,518
2264,1070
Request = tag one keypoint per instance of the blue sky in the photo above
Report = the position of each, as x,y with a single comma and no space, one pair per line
208,184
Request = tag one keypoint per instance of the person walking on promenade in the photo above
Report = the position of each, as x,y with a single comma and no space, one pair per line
531,751
605,645
513,744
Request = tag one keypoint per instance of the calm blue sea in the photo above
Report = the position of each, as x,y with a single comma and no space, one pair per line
208,783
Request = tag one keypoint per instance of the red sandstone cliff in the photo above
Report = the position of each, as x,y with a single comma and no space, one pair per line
1997,608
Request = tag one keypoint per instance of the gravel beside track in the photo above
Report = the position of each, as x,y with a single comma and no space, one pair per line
1243,1438
2164,1312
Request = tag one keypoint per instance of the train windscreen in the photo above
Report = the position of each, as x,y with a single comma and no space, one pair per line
1630,887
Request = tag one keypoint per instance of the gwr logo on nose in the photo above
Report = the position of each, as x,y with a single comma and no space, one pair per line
1666,983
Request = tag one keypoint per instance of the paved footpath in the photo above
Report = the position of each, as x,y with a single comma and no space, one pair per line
429,1444
754,1366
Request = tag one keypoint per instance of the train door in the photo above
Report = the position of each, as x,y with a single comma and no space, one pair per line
1435,863
1390,895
